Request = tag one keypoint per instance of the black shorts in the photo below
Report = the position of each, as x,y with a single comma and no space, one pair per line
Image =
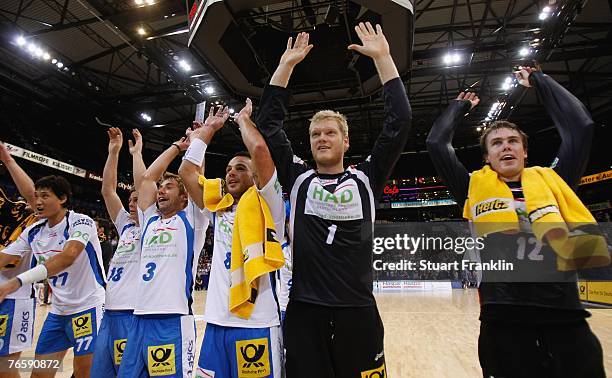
330,342
545,350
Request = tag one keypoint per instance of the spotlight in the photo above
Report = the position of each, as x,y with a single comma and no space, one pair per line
456,58
232,111
508,80
546,9
38,52
478,128
150,2
60,64
46,56
506,86
543,16
21,41
448,59
184,65
31,47
138,2
524,51
145,117
209,90
141,31
53,61
452,58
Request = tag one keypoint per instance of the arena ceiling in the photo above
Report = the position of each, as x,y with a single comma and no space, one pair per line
122,58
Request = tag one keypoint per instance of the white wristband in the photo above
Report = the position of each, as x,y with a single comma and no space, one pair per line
38,273
196,151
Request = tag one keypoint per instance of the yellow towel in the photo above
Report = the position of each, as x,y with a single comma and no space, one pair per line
256,249
551,205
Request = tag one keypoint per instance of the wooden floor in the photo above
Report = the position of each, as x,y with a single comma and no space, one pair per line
426,334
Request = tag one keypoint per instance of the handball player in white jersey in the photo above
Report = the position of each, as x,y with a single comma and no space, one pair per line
161,340
124,267
66,248
228,338
17,310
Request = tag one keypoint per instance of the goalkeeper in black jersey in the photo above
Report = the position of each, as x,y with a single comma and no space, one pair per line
532,321
332,325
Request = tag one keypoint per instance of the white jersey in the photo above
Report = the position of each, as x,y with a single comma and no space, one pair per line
81,285
25,291
265,313
123,272
283,278
169,258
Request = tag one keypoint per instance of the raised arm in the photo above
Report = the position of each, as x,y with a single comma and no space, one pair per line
439,145
255,143
193,162
109,175
24,183
572,120
274,105
138,165
74,246
147,192
398,114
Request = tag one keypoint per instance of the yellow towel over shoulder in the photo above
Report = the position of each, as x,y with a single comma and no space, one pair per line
256,250
552,206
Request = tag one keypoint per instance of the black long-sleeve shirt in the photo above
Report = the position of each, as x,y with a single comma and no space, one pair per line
523,301
332,215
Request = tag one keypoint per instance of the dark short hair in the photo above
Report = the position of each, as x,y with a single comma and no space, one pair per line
501,125
245,154
58,185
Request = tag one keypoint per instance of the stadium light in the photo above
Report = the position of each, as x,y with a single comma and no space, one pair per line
20,41
524,51
60,64
209,90
145,117
232,111
544,14
141,31
185,66
452,58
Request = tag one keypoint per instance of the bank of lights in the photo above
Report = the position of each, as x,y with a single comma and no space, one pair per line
145,117
38,52
452,58
209,90
142,3
545,13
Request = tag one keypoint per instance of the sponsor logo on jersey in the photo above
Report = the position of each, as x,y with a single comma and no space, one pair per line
162,238
491,206
379,372
81,325
253,358
343,204
161,360
3,324
83,221
118,348
84,236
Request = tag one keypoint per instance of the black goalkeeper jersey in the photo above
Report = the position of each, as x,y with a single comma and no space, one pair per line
331,221
539,302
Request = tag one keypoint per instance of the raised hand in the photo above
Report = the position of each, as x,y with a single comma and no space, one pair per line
246,112
374,43
469,96
296,52
115,140
5,155
135,147
184,142
217,120
522,75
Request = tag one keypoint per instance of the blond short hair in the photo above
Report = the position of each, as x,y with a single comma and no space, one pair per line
333,115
